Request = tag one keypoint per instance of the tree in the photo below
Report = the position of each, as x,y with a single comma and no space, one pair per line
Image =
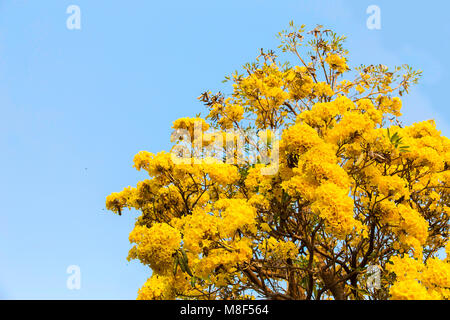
352,190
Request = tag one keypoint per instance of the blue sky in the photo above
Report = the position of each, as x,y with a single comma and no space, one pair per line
76,105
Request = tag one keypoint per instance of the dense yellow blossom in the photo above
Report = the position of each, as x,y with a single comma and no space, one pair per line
337,63
322,89
155,245
416,281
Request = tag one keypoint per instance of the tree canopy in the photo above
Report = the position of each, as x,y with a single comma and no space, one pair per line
350,188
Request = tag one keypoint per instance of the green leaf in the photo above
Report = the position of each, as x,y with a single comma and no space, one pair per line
184,263
176,266
193,280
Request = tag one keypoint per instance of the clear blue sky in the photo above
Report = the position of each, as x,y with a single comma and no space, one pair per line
76,105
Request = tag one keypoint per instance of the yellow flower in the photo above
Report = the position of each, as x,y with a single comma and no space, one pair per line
337,63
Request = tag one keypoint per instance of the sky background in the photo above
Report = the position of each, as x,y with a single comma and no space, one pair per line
77,105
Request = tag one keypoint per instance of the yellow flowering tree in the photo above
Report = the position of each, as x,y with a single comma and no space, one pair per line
352,187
